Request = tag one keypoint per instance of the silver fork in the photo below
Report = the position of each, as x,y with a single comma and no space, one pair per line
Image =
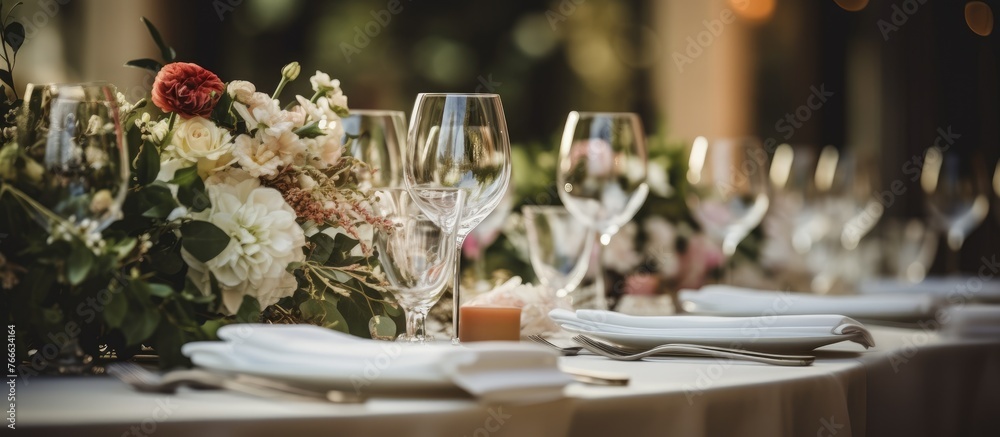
566,351
622,354
148,381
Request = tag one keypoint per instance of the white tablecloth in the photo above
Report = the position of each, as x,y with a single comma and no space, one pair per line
913,383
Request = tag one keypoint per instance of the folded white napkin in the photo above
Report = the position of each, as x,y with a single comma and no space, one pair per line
736,328
966,288
971,322
724,300
308,355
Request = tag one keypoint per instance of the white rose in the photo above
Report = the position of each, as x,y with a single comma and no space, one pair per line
241,90
200,141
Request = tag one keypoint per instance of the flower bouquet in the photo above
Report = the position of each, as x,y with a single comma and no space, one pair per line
237,209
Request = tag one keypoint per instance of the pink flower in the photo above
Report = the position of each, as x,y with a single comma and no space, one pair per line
642,285
187,89
701,257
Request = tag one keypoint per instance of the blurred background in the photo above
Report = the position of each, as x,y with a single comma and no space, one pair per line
880,80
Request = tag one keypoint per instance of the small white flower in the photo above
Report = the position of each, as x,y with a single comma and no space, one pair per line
241,90
306,182
321,82
270,149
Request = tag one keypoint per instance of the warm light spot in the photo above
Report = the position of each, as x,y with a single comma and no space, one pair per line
697,160
852,5
755,10
979,17
781,165
826,168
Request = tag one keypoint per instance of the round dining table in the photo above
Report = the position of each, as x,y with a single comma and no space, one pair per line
913,382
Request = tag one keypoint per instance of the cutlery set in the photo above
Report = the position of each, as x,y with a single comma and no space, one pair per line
621,353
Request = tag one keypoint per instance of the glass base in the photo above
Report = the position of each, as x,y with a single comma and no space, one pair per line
420,339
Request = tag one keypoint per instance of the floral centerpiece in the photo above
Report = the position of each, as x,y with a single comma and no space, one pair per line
239,209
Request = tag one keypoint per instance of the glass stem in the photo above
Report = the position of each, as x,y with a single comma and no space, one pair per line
456,293
600,287
415,324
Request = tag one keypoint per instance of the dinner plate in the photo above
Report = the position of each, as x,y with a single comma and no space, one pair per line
776,342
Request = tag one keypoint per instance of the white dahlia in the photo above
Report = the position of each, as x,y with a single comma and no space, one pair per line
265,238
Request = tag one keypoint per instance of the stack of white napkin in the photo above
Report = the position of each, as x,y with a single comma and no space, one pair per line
318,358
696,329
724,300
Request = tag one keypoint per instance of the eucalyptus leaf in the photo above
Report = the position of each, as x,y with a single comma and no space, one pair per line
249,311
166,51
381,327
323,247
160,290
312,310
139,326
203,240
333,319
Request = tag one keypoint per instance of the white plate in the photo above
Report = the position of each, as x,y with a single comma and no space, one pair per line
783,343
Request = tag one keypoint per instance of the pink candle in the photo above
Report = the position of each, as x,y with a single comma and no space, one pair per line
484,323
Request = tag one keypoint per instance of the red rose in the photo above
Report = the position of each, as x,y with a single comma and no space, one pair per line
187,89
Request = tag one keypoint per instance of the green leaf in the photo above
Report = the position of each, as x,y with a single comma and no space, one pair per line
156,202
382,327
166,261
115,310
137,327
7,77
333,319
312,310
147,165
191,189
324,248
81,259
166,51
203,240
249,311
310,130
145,64
343,244
160,290
13,33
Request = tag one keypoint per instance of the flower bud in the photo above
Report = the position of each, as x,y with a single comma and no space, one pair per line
291,71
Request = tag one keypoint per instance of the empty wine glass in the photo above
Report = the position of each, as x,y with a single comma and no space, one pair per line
74,132
459,141
955,188
602,174
558,247
376,137
417,255
727,189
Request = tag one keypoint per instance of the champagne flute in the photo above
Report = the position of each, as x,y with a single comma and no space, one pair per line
417,254
375,137
955,188
601,175
74,132
727,189
458,141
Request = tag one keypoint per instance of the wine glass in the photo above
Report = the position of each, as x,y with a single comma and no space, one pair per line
74,132
458,141
558,247
727,189
375,137
602,175
417,254
955,188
